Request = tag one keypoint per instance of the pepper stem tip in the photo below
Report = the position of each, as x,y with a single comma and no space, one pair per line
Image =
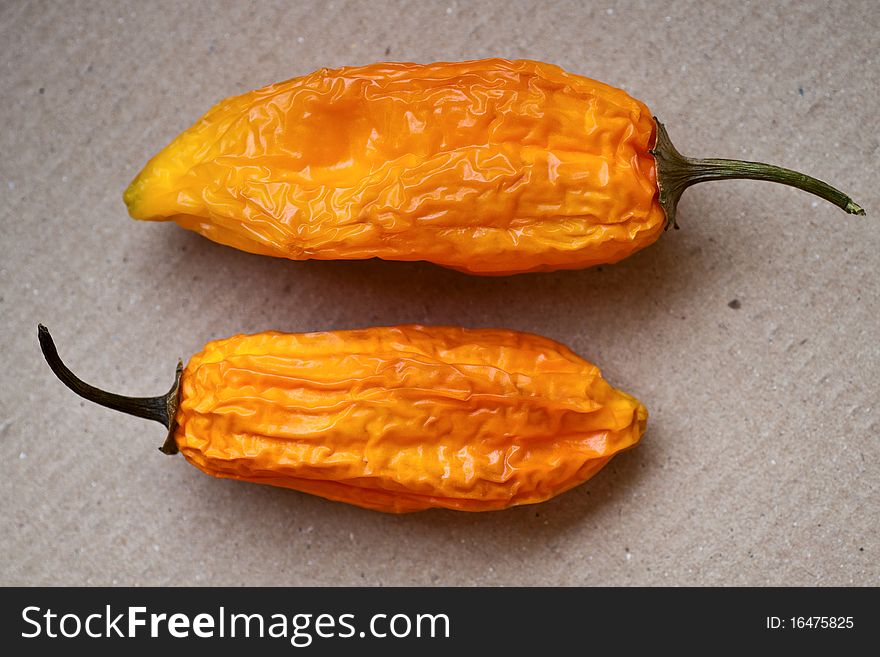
677,172
162,409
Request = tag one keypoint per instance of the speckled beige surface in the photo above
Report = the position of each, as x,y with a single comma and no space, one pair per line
761,461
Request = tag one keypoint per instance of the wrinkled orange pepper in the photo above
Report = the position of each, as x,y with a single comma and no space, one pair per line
394,419
488,167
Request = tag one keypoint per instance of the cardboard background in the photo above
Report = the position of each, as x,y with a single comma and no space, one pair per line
761,461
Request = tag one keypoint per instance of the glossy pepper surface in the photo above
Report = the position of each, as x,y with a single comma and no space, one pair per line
395,419
488,167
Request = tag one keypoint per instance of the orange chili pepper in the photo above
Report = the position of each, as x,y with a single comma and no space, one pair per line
394,419
488,167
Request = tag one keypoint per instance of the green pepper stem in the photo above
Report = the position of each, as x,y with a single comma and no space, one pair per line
160,409
676,172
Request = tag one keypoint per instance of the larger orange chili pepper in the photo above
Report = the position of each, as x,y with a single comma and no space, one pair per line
488,167
395,419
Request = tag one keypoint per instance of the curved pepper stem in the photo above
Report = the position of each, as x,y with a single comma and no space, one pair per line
161,409
676,172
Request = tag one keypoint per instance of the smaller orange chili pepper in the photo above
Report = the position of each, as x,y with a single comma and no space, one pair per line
395,419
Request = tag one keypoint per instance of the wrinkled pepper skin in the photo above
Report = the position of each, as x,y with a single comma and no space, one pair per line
403,418
488,167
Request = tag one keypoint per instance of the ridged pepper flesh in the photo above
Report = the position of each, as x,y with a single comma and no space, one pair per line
403,418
